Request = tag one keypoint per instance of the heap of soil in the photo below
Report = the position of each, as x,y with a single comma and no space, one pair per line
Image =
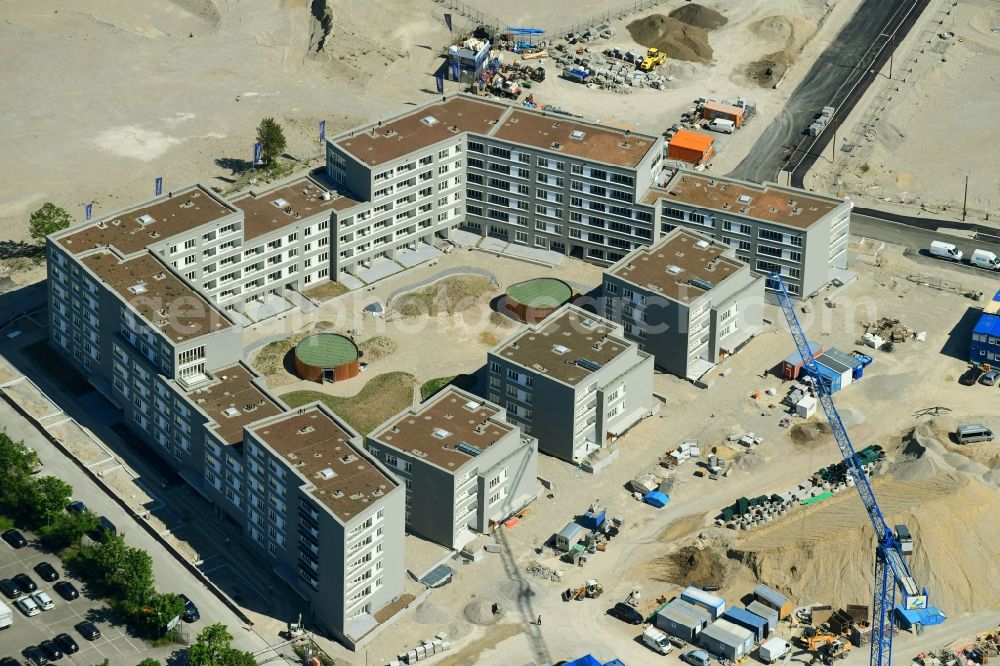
807,433
692,566
699,16
677,39
768,70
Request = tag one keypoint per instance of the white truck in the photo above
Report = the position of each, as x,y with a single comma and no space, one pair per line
944,250
722,125
6,616
985,259
657,640
773,649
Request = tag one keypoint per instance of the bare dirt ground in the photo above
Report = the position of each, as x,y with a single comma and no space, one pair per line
930,137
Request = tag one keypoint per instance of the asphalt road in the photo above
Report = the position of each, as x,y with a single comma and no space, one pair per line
838,78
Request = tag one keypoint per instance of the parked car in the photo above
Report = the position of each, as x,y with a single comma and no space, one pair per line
696,658
622,611
10,588
990,378
25,583
191,613
35,655
66,590
76,507
46,572
9,661
67,643
88,630
970,376
43,600
14,538
28,606
52,649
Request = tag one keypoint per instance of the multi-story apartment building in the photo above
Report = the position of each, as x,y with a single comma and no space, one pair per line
334,513
572,381
802,235
685,300
464,467
548,181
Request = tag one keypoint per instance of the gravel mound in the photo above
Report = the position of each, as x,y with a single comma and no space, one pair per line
480,611
699,16
679,40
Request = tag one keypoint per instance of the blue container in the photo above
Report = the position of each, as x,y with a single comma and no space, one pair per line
592,521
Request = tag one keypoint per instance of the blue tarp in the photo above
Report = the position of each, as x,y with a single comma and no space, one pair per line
615,662
926,616
656,498
585,660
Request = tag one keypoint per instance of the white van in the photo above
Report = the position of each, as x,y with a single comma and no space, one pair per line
985,259
971,433
656,640
722,125
945,251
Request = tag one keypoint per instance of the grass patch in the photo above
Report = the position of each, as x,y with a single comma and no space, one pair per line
270,359
464,382
377,348
382,397
326,291
445,297
502,321
6,523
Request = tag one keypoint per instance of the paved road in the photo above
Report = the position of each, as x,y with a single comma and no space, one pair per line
837,78
918,238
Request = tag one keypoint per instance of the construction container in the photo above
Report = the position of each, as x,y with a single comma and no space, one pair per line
713,110
713,604
774,599
682,619
592,521
831,372
569,537
855,364
805,407
744,618
766,612
690,147
726,640
791,367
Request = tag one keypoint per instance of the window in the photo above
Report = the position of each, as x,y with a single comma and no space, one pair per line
540,241
495,367
475,147
520,237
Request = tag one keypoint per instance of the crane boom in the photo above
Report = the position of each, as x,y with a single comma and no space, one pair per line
891,569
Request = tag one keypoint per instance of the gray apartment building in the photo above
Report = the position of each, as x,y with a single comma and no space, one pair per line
802,235
465,468
686,300
573,381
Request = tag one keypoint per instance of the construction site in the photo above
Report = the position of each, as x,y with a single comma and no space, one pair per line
810,499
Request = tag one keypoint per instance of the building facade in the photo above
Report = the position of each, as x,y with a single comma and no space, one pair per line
464,467
686,300
572,381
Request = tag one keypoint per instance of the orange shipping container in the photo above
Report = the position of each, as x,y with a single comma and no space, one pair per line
690,147
713,110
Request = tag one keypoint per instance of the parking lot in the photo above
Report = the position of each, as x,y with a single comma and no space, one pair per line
114,644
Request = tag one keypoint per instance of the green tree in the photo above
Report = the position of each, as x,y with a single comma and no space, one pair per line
126,572
214,648
46,498
65,529
46,220
272,140
17,462
148,661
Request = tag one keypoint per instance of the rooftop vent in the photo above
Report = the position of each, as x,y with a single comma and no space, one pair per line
589,323
441,433
472,405
559,349
160,276
138,288
587,364
280,203
468,449
389,132
673,270
305,429
117,222
430,121
230,412
102,225
326,474
701,284
556,145
348,458
144,219
337,494
577,134
701,245
745,198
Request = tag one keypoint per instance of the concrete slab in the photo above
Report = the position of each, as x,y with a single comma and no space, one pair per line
422,253
493,245
350,281
547,257
381,268
271,305
460,237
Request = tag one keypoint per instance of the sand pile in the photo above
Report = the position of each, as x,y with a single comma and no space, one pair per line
699,16
691,566
767,71
810,433
481,612
812,555
677,39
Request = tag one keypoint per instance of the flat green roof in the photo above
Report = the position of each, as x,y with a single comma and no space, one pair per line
540,292
326,350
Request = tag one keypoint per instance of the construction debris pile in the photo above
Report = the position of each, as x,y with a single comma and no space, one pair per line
539,570
885,332
590,33
977,651
614,69
507,80
747,513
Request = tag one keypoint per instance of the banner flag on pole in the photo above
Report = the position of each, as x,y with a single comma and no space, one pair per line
258,154
88,210
454,69
159,186
447,21
440,82
322,131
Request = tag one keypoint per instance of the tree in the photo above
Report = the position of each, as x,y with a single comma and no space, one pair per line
213,648
126,572
49,219
65,529
46,498
17,462
152,618
272,140
149,661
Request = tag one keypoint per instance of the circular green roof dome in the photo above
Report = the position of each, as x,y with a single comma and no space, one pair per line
540,292
326,350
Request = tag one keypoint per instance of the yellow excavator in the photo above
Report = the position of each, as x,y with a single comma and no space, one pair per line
825,646
654,58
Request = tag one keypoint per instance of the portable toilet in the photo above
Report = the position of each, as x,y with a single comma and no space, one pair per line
713,604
